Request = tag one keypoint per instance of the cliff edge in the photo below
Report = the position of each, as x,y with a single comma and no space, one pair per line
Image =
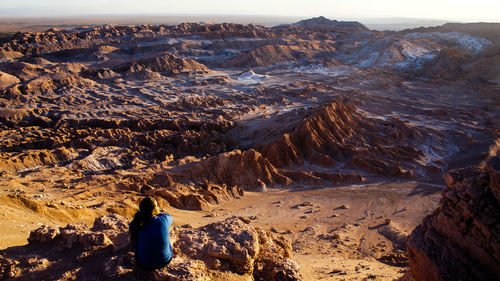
461,239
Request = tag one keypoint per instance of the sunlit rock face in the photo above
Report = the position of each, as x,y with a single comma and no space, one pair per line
461,239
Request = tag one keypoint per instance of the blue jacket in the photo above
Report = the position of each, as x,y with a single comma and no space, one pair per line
152,245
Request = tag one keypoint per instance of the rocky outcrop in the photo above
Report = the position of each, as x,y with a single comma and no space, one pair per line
488,30
313,138
201,196
267,55
24,71
167,62
246,169
57,80
32,159
39,61
101,158
143,74
252,171
214,252
461,239
322,23
7,80
447,65
301,52
236,245
4,54
38,79
160,137
336,135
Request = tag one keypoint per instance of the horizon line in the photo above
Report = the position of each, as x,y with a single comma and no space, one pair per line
342,17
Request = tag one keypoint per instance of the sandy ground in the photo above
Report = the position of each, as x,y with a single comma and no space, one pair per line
358,213
337,233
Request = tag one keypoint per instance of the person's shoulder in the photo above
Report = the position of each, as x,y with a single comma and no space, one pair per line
165,218
164,215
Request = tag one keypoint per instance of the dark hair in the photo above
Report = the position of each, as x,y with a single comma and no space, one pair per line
147,211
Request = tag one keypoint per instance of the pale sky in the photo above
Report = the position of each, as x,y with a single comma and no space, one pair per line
465,10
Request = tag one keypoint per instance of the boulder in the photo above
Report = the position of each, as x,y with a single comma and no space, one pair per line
245,249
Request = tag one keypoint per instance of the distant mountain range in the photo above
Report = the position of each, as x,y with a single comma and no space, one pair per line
14,20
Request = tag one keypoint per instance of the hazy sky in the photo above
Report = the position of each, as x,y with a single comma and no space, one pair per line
468,10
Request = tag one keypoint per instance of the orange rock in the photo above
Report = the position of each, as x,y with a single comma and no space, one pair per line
336,132
460,240
7,80
243,169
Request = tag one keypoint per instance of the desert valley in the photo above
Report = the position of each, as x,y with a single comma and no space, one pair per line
305,151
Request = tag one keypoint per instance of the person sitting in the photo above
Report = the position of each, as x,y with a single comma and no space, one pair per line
149,233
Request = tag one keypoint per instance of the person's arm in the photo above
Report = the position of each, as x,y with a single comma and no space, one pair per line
170,219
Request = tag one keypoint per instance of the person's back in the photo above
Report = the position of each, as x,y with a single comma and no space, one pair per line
152,247
149,232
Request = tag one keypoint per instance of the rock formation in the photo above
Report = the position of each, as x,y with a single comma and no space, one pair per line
230,248
167,62
9,54
93,118
252,171
461,239
236,245
267,55
246,169
36,158
201,196
7,80
336,134
447,65
486,68
323,23
102,99
39,43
